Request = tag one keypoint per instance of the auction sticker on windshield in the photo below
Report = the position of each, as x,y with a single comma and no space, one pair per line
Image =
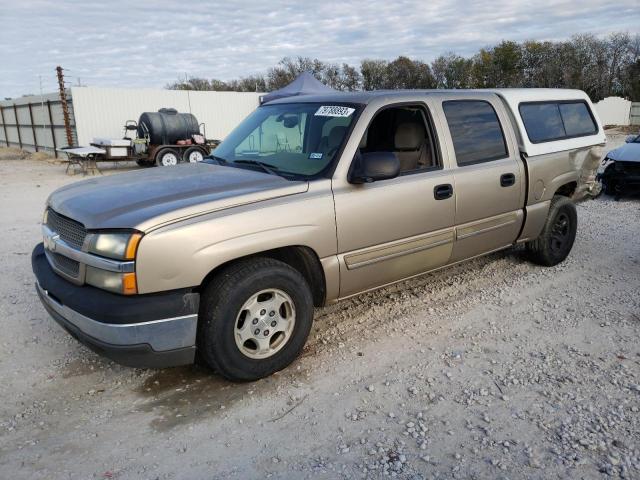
334,111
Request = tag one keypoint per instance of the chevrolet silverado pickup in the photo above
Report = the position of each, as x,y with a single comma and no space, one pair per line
309,200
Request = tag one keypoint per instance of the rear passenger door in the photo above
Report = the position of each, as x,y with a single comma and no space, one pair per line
488,174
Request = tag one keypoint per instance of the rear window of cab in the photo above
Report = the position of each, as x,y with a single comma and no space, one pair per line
557,120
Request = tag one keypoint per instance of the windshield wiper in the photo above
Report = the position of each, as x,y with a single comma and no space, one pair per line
220,160
270,169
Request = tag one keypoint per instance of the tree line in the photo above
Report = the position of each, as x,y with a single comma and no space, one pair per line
601,67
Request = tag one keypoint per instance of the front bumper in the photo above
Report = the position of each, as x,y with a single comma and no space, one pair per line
154,330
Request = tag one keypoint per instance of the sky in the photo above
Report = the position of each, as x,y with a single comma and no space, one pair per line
140,43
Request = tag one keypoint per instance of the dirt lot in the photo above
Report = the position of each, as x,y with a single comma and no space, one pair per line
492,369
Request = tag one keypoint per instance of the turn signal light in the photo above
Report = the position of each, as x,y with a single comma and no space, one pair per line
129,284
132,246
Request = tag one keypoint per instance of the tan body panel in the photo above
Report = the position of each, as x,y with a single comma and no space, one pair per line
536,217
182,254
488,216
547,173
392,229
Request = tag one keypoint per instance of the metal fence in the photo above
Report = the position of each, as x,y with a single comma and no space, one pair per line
634,116
35,123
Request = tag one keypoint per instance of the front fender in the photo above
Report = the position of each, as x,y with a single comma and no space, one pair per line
186,252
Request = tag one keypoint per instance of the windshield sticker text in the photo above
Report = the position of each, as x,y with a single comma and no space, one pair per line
334,111
315,156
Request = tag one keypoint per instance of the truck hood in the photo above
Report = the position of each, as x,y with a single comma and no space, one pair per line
629,152
148,198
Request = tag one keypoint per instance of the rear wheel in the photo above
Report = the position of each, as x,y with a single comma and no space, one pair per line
166,157
255,317
558,234
193,155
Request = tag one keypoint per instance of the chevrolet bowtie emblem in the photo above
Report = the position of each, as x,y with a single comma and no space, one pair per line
50,242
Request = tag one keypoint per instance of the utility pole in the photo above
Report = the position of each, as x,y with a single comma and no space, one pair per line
65,106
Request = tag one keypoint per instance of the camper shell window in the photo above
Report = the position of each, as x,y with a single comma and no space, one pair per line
557,120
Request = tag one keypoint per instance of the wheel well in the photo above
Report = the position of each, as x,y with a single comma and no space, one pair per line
303,259
567,190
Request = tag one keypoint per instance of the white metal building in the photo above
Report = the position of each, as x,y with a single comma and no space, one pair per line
102,112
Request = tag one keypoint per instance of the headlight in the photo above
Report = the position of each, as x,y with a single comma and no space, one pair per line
118,245
122,283
45,216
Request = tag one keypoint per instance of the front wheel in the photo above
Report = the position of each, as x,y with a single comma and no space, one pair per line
255,317
558,234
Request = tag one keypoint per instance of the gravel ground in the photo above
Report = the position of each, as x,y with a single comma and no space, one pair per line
491,369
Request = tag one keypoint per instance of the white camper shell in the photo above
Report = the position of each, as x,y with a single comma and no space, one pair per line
549,103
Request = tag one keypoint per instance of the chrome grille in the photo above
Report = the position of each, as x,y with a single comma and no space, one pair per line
65,264
72,232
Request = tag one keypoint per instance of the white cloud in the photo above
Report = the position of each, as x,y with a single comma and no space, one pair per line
151,43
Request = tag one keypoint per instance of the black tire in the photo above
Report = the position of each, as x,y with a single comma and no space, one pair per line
221,302
164,154
558,234
186,156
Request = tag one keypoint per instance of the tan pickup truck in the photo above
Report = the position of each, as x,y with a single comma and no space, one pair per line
308,201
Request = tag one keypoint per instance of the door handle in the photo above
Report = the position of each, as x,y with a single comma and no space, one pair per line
442,192
507,179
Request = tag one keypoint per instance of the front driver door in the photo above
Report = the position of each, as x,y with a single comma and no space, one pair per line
394,229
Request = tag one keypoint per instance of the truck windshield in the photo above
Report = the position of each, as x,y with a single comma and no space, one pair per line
293,140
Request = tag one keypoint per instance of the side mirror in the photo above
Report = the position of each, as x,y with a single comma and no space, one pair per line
374,166
289,121
630,138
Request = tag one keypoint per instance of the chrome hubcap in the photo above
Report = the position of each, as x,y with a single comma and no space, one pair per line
195,157
169,159
265,323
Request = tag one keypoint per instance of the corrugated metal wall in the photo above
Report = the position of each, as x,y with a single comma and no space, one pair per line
635,113
32,123
102,112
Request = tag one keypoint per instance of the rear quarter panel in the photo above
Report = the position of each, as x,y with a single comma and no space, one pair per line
547,173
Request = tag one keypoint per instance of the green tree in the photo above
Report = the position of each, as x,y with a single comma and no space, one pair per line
506,60
452,71
406,73
483,70
289,68
374,74
350,78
